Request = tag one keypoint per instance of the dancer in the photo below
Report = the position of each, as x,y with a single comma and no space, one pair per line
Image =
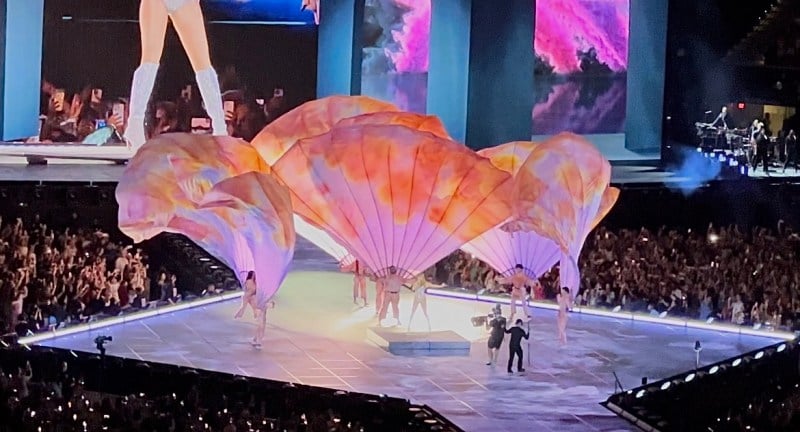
380,290
518,281
515,345
420,298
359,281
498,333
392,283
249,296
187,18
563,299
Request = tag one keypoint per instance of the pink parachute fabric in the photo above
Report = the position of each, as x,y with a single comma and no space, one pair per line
561,192
173,171
501,248
247,223
310,119
422,123
394,196
175,184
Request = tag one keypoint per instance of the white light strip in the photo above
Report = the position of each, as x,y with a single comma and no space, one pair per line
671,321
136,316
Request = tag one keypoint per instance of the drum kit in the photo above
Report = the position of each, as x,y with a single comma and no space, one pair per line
722,139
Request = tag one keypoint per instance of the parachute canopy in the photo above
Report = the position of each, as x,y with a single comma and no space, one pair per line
394,196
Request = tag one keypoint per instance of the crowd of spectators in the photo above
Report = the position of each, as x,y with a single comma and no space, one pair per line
73,119
747,277
53,390
50,278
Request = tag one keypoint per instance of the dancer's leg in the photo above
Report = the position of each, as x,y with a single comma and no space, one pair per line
513,308
379,298
384,308
520,353
491,355
413,310
190,26
423,302
262,324
355,291
153,20
395,300
362,290
511,353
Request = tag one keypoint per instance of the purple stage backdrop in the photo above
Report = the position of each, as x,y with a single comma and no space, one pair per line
396,46
581,62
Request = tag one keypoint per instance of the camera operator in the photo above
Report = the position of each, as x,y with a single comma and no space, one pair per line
496,323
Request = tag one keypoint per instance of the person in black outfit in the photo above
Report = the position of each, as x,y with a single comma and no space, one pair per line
498,333
762,144
792,153
514,345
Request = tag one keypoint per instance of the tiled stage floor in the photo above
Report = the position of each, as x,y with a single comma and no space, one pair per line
317,337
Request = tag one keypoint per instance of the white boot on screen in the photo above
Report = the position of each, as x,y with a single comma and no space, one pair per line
141,89
208,83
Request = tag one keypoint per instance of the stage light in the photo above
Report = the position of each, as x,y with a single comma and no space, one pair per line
781,347
666,385
713,370
205,259
736,362
740,105
690,378
640,394
759,355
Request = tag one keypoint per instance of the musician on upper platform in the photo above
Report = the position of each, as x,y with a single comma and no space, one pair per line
722,119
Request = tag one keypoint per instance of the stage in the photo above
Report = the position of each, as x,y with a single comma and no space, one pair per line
318,337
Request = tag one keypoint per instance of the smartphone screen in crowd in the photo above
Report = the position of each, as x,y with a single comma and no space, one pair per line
260,102
99,124
118,110
201,125
278,92
229,106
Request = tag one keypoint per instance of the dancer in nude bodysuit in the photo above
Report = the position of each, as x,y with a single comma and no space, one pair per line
359,281
518,281
249,296
420,298
564,301
259,313
187,18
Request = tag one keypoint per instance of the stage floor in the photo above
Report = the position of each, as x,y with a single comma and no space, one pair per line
318,337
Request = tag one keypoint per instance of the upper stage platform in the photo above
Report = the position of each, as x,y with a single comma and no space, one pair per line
17,169
98,171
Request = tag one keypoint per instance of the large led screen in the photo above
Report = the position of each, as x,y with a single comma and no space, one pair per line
395,53
581,62
255,11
